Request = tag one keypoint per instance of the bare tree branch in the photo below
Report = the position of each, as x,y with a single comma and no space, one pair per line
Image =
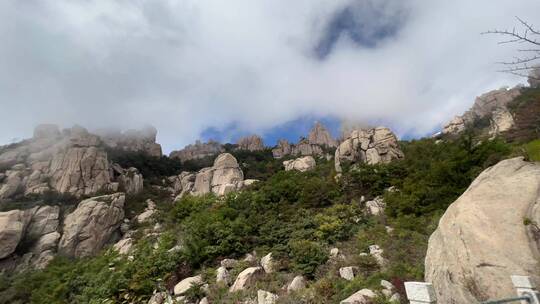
523,66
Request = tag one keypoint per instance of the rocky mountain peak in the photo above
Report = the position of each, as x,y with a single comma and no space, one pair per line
198,150
250,143
319,135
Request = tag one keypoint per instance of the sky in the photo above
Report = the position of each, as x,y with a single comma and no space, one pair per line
222,69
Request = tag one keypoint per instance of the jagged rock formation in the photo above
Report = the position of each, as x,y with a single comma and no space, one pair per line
318,138
484,106
73,161
319,135
488,234
301,164
371,146
129,180
92,225
501,121
251,143
36,228
198,150
143,140
223,177
282,149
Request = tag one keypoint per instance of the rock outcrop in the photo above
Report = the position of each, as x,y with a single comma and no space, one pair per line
36,229
371,146
92,225
363,296
301,164
485,105
501,121
73,161
198,150
318,138
129,180
282,149
319,135
132,140
246,278
186,284
223,177
251,143
487,234
298,283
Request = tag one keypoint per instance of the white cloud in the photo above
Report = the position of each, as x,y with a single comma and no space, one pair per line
184,66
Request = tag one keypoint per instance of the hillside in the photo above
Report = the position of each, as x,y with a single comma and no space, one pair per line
93,219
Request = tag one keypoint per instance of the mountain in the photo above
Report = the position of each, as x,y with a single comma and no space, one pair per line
104,217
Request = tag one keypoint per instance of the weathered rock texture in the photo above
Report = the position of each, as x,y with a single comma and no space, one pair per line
482,239
250,143
371,146
223,177
485,105
301,164
318,138
198,150
36,229
319,135
246,278
92,225
143,140
73,161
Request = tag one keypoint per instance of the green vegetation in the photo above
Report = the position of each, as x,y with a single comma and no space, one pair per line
533,150
296,216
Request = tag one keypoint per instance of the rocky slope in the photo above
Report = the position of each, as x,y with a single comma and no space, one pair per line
491,106
370,146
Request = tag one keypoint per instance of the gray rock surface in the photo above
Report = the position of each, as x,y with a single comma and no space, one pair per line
371,146
186,284
319,135
482,239
92,225
298,283
301,164
246,278
198,150
251,143
223,177
484,105
363,296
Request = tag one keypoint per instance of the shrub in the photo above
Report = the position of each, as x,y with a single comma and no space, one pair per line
306,256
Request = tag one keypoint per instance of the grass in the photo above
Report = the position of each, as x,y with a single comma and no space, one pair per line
533,150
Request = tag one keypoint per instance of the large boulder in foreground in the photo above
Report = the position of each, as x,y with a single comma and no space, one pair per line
371,146
92,225
488,234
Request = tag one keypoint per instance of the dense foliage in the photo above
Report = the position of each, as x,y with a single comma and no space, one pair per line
296,216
